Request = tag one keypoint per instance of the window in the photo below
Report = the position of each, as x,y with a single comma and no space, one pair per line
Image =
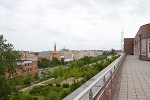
149,47
143,45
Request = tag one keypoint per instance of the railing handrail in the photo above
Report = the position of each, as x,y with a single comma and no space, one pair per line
96,81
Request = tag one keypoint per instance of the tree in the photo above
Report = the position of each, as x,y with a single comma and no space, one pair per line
36,54
28,79
75,73
55,61
55,73
112,51
8,57
63,61
60,71
36,76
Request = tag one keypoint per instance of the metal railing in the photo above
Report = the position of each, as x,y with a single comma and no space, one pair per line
108,81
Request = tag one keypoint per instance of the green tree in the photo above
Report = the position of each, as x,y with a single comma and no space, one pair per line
55,73
8,63
28,79
53,96
60,71
112,51
36,76
63,61
66,75
55,61
36,54
75,73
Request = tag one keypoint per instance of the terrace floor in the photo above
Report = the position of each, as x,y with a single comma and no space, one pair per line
135,80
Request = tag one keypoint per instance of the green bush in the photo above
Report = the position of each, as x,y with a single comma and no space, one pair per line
65,85
50,84
64,94
35,98
58,85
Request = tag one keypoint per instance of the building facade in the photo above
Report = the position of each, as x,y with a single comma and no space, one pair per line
140,44
27,64
128,45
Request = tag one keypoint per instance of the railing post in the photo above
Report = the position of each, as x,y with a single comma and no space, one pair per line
90,95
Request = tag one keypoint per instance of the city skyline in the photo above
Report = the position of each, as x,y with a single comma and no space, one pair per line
77,25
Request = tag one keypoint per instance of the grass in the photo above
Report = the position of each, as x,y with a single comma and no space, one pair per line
58,80
27,93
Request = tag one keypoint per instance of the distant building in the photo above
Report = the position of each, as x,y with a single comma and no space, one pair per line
28,64
44,54
140,45
54,53
64,49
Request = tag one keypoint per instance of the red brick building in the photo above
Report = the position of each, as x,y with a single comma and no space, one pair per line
28,64
140,45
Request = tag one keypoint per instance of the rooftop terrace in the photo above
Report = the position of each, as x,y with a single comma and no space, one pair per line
135,80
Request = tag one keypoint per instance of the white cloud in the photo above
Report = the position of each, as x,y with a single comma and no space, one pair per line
82,24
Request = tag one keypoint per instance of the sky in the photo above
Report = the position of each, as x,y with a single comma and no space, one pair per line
35,25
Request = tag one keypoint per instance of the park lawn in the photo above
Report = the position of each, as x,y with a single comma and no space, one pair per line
27,93
58,80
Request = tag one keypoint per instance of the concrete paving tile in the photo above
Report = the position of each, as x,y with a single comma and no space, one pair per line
136,74
122,98
132,99
147,94
148,97
141,97
132,96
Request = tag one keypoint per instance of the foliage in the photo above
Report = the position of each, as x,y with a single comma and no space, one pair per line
44,63
8,64
36,76
58,85
76,69
62,61
53,96
65,85
64,93
50,84
36,54
112,51
28,79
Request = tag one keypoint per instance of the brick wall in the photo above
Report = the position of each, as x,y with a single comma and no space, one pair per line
128,45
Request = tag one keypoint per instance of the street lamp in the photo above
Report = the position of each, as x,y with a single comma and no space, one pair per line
140,46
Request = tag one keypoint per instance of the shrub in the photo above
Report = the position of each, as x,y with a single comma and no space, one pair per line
64,94
50,84
58,85
35,98
65,85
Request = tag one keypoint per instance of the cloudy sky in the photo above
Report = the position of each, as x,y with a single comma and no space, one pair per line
35,25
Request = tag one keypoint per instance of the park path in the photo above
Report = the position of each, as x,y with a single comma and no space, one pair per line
40,83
